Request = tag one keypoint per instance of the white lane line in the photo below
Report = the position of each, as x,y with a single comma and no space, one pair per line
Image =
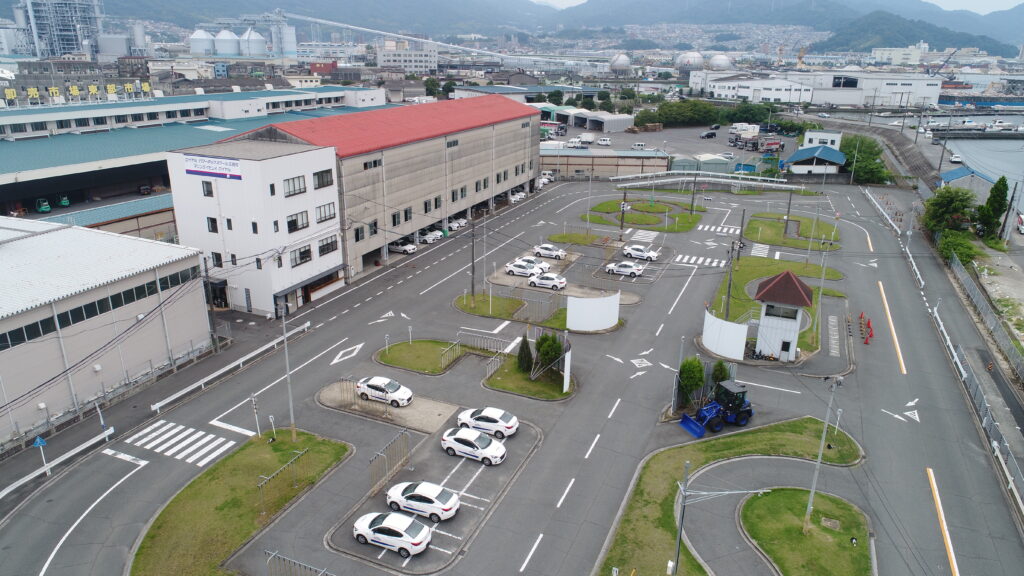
368,298
163,437
332,318
592,444
146,430
617,400
318,326
189,450
468,495
233,428
460,270
449,476
513,345
658,331
215,453
896,416
769,387
205,449
173,441
63,538
473,506
399,282
687,283
532,550
495,331
950,554
473,479
184,443
443,533
382,552
125,457
566,493
378,294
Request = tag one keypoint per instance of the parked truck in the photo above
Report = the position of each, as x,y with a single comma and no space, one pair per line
587,138
553,145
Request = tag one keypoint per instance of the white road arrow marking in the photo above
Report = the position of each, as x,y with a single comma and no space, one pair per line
377,321
347,353
913,414
646,352
404,316
913,402
666,366
896,416
637,374
388,314
614,358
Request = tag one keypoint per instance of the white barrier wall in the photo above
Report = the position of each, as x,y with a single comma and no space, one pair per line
726,339
592,314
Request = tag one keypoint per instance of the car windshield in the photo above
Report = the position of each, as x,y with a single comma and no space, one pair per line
476,413
445,495
483,441
377,520
392,386
411,488
505,417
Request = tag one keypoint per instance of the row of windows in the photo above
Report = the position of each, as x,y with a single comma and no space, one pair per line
373,164
293,186
101,121
451,143
360,231
78,314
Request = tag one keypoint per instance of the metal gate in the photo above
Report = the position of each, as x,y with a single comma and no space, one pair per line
278,565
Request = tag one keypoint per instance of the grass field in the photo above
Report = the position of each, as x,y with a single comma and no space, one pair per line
219,510
643,219
646,206
547,387
598,219
495,306
775,522
573,238
646,535
421,355
768,229
556,320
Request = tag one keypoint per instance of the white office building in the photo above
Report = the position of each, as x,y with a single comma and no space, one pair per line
850,86
758,88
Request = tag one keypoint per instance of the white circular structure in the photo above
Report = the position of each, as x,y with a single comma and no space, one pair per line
226,43
720,62
620,63
252,44
201,43
689,61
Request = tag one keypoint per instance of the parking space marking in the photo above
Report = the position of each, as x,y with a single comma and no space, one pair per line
473,479
473,506
596,438
449,476
482,499
566,493
617,400
432,547
532,550
436,531
368,298
658,331
320,325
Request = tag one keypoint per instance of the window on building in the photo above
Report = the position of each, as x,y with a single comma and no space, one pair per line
152,115
121,119
426,206
207,188
18,128
477,185
227,223
396,219
185,113
276,227
452,143
218,262
279,264
297,221
198,112
486,182
328,245
323,178
61,125
360,233
408,214
99,121
325,212
259,263
137,117
293,186
497,178
373,228
255,228
462,192
372,164
81,122
39,126
437,202
171,114
211,224
272,190
504,175
234,260
300,256
455,195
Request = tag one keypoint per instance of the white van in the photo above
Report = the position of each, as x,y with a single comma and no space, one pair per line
639,146
547,174
604,141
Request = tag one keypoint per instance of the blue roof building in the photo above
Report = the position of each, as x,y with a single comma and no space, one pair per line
816,160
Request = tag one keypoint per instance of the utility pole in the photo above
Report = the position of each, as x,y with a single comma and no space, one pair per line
1009,208
836,382
728,289
739,236
472,265
622,215
682,513
213,309
287,366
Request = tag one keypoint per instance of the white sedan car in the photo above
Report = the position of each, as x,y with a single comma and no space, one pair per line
641,252
624,268
453,224
493,421
518,268
540,264
424,498
548,280
397,532
516,197
473,444
383,389
549,251
955,159
462,222
402,247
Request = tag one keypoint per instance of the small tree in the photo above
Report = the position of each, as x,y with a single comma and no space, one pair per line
606,105
555,97
719,372
525,357
431,86
691,378
539,98
603,95
549,348
950,208
588,104
448,87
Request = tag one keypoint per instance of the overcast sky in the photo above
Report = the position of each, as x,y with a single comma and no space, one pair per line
979,6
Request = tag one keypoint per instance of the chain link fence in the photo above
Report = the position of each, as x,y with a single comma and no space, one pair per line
278,565
388,460
282,484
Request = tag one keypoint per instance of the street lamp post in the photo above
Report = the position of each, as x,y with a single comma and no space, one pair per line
837,381
287,366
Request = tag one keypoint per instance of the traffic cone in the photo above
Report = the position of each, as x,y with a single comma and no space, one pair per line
869,323
867,340
861,315
871,333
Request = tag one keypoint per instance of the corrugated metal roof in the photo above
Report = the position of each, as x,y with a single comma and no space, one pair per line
545,88
112,212
357,134
823,152
46,262
71,149
963,172
603,152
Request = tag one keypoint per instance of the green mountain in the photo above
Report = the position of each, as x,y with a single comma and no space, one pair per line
883,29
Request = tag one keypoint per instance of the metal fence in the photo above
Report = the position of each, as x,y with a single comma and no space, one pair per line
483,341
388,460
493,363
989,317
283,483
537,306
451,354
278,565
997,441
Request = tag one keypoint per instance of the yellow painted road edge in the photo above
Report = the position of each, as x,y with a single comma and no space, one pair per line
953,568
892,329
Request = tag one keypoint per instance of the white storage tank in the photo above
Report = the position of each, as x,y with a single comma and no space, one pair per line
201,43
720,62
689,61
252,44
620,63
226,43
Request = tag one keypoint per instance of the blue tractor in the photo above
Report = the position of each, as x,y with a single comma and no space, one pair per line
730,405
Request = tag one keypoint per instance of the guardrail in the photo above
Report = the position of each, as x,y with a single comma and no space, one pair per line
236,365
45,468
878,208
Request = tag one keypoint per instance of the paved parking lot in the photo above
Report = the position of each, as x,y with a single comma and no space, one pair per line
479,487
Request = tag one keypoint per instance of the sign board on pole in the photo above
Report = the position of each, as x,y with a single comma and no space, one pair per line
39,443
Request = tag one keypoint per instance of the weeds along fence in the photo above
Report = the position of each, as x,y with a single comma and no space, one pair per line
388,460
279,565
284,482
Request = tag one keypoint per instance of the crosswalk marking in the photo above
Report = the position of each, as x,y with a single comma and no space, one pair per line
722,229
205,449
182,442
146,430
759,250
215,453
152,434
189,450
644,236
173,441
702,261
162,437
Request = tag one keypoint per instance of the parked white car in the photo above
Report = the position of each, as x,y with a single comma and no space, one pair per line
424,498
430,236
462,222
518,268
397,532
453,224
473,444
549,280
540,264
516,197
728,155
631,269
402,247
383,389
604,141
493,421
549,251
955,159
641,252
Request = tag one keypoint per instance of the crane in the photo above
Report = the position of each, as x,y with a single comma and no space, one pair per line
935,72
